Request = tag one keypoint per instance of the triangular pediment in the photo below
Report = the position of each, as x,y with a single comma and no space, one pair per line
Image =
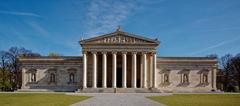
119,37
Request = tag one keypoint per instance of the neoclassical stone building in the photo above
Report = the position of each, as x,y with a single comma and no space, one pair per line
119,62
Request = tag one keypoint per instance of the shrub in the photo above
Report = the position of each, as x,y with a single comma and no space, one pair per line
5,86
236,88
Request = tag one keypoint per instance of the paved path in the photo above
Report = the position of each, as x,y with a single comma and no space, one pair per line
118,99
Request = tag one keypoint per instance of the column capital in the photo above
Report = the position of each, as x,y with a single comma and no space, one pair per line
94,52
104,52
134,52
84,52
144,52
114,52
153,52
124,52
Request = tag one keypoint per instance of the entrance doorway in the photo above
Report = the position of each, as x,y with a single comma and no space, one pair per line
119,77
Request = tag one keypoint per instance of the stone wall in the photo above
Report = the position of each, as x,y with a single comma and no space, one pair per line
194,68
61,68
62,82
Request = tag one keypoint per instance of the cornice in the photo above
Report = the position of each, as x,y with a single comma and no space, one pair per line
117,33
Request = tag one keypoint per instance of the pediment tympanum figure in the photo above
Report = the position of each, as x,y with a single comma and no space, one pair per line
119,37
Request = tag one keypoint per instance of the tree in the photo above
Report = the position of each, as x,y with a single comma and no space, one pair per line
4,73
10,63
231,69
52,54
224,65
224,61
212,55
235,63
14,53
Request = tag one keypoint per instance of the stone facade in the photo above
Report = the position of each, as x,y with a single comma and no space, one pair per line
199,74
122,62
51,73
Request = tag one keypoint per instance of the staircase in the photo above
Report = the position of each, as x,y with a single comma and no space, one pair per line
118,90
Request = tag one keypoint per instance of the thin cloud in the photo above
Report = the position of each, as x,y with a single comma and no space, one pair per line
216,45
46,34
38,28
20,13
104,16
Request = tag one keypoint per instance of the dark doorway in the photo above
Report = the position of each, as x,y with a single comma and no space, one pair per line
119,77
138,83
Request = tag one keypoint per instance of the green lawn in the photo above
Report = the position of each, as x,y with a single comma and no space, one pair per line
38,99
199,99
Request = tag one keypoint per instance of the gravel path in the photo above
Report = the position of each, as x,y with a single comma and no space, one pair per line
118,99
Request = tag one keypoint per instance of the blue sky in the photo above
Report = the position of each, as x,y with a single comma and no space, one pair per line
184,27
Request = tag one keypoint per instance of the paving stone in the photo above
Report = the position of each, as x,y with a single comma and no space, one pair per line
118,99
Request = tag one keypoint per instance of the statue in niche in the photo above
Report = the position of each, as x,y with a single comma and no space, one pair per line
185,78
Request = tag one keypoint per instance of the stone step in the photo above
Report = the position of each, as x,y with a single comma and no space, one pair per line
96,90
34,90
47,90
118,90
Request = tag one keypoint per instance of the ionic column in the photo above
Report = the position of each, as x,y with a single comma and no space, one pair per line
150,71
84,70
94,70
114,70
182,78
23,78
134,70
154,70
214,72
141,73
124,71
200,78
144,70
29,77
104,70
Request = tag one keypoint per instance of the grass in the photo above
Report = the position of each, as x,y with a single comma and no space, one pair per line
38,99
199,99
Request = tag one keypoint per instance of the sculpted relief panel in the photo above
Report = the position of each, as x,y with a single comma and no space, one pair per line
120,39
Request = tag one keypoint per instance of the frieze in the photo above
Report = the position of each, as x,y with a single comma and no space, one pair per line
27,67
121,50
114,46
49,64
120,39
181,67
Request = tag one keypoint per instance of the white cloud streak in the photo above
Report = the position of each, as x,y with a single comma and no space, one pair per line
17,13
39,28
216,45
44,33
104,16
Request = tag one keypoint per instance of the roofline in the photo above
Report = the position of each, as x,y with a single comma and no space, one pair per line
50,58
212,60
130,34
190,57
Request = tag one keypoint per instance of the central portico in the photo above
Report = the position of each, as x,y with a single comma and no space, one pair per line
119,60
